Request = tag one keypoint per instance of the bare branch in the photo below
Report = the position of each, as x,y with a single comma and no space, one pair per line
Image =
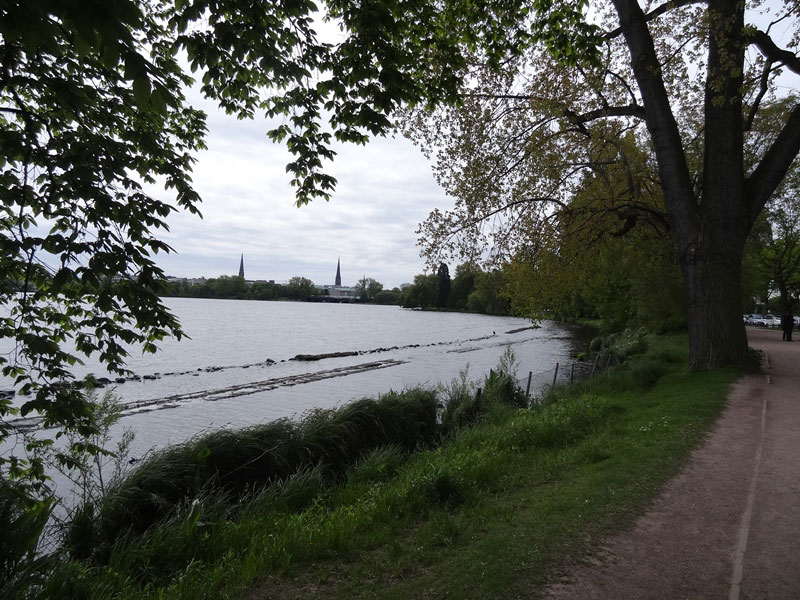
501,96
632,110
673,169
656,12
766,177
775,54
763,87
624,83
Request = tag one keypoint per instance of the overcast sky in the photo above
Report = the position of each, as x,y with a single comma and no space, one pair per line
385,189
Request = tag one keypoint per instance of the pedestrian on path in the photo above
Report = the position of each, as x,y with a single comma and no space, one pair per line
787,324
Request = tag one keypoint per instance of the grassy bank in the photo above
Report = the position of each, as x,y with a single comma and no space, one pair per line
491,504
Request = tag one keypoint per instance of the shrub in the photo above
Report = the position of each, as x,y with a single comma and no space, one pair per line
502,388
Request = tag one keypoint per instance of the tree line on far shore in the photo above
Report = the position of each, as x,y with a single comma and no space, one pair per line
471,289
297,288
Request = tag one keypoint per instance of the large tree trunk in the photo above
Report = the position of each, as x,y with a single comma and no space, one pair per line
713,288
709,228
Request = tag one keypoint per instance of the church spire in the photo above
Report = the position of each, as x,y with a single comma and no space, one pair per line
338,280
241,267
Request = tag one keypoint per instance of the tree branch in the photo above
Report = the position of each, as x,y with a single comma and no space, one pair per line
672,167
766,177
632,110
656,12
502,96
775,54
763,87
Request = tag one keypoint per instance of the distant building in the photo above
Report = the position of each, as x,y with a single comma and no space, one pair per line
185,280
337,290
241,267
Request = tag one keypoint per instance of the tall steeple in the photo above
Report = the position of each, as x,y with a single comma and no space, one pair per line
241,267
338,280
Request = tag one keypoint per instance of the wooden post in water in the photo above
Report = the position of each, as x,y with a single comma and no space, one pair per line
572,374
555,375
528,387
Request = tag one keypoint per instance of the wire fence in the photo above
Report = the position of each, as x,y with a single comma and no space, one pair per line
564,373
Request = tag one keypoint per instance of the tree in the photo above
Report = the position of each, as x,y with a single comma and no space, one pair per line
780,256
78,229
688,79
462,285
227,286
300,288
479,291
489,296
423,293
368,289
76,226
443,275
265,290
388,296
588,262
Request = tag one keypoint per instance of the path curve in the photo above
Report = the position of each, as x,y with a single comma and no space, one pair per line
728,525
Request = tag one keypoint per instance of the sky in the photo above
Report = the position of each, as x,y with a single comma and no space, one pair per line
385,189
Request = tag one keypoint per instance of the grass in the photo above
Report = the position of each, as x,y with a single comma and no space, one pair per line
534,506
497,509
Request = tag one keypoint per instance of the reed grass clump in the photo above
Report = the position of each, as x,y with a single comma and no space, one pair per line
464,401
230,464
21,564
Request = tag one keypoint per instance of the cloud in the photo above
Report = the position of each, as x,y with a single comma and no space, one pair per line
385,189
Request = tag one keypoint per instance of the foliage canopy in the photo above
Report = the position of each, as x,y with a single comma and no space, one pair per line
681,118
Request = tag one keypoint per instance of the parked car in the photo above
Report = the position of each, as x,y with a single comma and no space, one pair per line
769,321
753,319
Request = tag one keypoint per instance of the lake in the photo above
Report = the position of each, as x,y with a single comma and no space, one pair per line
237,368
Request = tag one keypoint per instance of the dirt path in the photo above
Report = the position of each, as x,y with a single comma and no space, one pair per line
728,526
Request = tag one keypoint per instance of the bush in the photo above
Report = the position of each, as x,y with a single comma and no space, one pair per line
502,388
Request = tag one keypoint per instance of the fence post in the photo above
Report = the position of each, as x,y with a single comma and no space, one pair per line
594,368
528,387
555,375
572,374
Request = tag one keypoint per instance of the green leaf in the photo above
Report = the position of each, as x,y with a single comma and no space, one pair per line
141,91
